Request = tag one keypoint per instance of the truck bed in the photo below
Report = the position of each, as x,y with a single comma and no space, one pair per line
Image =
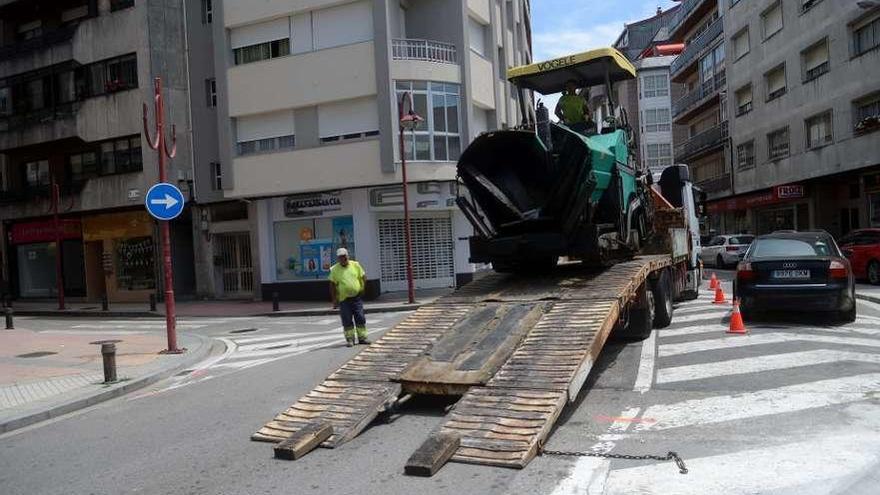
517,348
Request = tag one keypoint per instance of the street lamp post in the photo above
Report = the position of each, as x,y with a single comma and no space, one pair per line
409,120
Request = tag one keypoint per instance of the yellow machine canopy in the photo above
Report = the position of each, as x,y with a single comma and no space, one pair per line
587,68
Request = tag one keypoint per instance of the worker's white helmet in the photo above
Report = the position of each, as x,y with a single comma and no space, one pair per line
342,252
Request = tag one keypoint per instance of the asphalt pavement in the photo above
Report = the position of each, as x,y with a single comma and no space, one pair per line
790,408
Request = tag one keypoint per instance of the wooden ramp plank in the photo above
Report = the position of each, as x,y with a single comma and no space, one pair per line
303,441
433,454
350,409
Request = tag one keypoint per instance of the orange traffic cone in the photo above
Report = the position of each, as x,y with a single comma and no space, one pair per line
719,295
736,321
713,282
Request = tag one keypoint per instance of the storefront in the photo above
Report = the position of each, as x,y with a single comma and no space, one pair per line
779,208
299,235
872,198
120,257
33,258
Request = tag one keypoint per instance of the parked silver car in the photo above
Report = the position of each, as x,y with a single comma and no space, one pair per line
725,250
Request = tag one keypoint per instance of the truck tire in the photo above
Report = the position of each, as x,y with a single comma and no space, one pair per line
641,317
661,291
689,294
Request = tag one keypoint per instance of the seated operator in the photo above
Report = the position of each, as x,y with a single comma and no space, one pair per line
573,110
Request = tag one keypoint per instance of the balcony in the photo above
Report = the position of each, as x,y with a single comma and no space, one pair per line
686,11
20,121
698,97
715,184
22,48
695,49
423,50
701,143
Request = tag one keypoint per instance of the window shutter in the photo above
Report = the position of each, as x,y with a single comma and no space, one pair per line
263,32
775,81
348,117
266,125
816,56
773,20
741,44
744,96
343,25
477,36
302,33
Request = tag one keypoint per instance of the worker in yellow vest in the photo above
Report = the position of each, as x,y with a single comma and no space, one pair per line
573,110
347,283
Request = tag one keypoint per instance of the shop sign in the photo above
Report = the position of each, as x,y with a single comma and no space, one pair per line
778,194
310,205
44,231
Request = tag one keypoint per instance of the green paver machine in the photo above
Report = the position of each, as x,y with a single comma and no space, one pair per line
542,190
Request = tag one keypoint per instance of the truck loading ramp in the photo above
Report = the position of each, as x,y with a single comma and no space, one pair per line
515,348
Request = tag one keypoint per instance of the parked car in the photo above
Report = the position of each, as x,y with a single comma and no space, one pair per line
725,250
801,271
862,249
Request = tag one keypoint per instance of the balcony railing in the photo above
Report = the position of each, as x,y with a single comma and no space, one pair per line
693,50
703,141
425,50
704,92
35,117
716,184
21,48
686,9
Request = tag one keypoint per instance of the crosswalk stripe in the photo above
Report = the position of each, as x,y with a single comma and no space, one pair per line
777,469
152,326
703,315
780,400
761,363
299,339
243,341
729,342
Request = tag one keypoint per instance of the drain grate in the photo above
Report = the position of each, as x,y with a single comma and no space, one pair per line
108,341
36,354
244,330
277,347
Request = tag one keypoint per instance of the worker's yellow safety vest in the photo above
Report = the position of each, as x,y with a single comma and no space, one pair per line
572,109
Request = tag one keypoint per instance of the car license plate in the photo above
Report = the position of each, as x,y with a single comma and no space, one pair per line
791,274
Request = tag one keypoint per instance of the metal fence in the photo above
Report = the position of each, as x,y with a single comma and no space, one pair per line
696,47
705,140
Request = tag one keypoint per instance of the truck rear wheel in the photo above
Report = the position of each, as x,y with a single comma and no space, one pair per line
641,316
661,291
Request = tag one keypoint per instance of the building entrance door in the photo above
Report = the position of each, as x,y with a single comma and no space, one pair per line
233,259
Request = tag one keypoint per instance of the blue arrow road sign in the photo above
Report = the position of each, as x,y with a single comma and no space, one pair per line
164,201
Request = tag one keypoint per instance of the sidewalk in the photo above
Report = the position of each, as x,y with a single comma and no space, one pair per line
50,373
391,301
868,292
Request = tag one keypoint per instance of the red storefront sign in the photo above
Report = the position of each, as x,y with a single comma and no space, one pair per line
44,231
779,194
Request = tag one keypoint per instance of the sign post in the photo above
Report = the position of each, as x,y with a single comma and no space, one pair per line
164,202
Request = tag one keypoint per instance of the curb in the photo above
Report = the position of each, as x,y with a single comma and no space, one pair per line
87,313
29,419
865,297
334,312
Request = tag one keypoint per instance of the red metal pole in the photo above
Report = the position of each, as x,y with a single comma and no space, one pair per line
410,288
59,271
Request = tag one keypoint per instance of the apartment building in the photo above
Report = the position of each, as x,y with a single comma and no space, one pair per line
655,95
73,77
700,68
308,104
805,110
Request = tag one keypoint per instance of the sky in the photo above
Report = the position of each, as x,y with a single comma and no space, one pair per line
562,27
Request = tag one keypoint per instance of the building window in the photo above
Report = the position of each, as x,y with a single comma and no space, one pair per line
775,82
808,4
211,92
745,156
741,44
348,120
657,120
654,86
5,103
82,166
815,60
120,156
106,76
262,51
744,100
777,144
658,156
438,139
265,133
216,176
819,130
120,4
267,145
866,37
477,37
134,264
771,19
37,173
207,11
866,114
304,247
29,30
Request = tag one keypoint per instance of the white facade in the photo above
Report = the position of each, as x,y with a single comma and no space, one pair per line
655,109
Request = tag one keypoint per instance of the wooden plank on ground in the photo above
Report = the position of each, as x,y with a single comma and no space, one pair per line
303,441
432,454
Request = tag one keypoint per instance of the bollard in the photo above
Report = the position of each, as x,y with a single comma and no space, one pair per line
105,304
108,352
8,313
153,302
275,306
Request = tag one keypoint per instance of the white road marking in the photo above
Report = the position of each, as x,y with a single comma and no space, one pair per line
646,364
243,341
728,342
139,326
778,469
757,364
780,400
703,315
